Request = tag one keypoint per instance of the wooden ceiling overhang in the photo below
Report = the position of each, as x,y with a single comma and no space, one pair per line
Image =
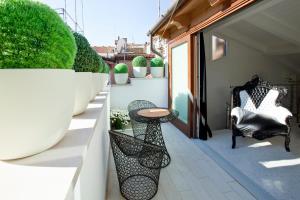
195,15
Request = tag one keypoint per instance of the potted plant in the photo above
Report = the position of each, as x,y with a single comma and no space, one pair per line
101,72
105,75
139,64
96,83
157,67
37,52
83,66
121,73
119,119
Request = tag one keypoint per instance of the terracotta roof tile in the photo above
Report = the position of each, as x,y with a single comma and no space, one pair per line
104,49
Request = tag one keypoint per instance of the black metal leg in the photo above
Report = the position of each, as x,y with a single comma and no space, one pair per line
154,136
287,143
233,140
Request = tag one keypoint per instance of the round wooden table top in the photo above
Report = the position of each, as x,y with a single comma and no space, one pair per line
154,112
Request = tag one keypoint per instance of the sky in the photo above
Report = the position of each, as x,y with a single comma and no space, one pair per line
105,20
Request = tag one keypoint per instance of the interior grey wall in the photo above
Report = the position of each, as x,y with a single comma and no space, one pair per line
240,64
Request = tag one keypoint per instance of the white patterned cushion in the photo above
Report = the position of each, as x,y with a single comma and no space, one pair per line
246,101
267,107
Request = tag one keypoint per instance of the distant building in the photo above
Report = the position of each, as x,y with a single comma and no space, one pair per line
105,51
124,52
122,47
160,44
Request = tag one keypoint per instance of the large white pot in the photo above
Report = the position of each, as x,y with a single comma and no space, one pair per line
157,72
121,78
139,72
104,80
93,89
97,83
83,85
36,107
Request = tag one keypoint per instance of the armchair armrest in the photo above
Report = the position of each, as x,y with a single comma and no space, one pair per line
237,114
278,113
283,114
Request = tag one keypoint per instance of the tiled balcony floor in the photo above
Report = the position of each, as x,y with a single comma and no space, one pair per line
191,174
264,167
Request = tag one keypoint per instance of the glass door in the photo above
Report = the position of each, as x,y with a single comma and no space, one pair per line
180,95
180,88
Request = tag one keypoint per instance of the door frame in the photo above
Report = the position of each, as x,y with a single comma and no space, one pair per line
188,36
187,129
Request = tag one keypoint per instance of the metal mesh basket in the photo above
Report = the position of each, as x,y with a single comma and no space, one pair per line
138,166
138,128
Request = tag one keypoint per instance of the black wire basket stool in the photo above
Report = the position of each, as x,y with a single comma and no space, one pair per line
138,166
138,128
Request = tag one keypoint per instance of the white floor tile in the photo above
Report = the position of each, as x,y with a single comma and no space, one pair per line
192,175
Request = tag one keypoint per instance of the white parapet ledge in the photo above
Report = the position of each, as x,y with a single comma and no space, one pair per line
52,174
136,80
154,90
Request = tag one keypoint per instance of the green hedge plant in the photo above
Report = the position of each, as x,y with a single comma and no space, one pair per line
157,62
97,63
106,69
121,68
32,35
139,61
102,66
86,60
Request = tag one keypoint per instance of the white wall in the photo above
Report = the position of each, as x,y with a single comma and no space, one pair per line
154,90
92,180
240,64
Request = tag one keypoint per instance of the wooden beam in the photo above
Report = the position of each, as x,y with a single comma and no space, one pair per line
235,6
214,2
183,20
217,2
177,24
226,4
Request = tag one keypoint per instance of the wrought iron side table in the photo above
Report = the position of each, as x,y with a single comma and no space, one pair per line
153,117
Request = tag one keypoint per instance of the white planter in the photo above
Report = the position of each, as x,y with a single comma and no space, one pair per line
97,84
121,78
83,85
104,80
157,72
139,72
36,108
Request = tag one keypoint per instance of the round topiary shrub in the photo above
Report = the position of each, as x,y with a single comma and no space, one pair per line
32,35
106,69
139,61
121,68
97,62
102,65
86,58
156,62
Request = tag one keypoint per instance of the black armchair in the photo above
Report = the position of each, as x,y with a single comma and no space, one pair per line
138,166
257,112
138,128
